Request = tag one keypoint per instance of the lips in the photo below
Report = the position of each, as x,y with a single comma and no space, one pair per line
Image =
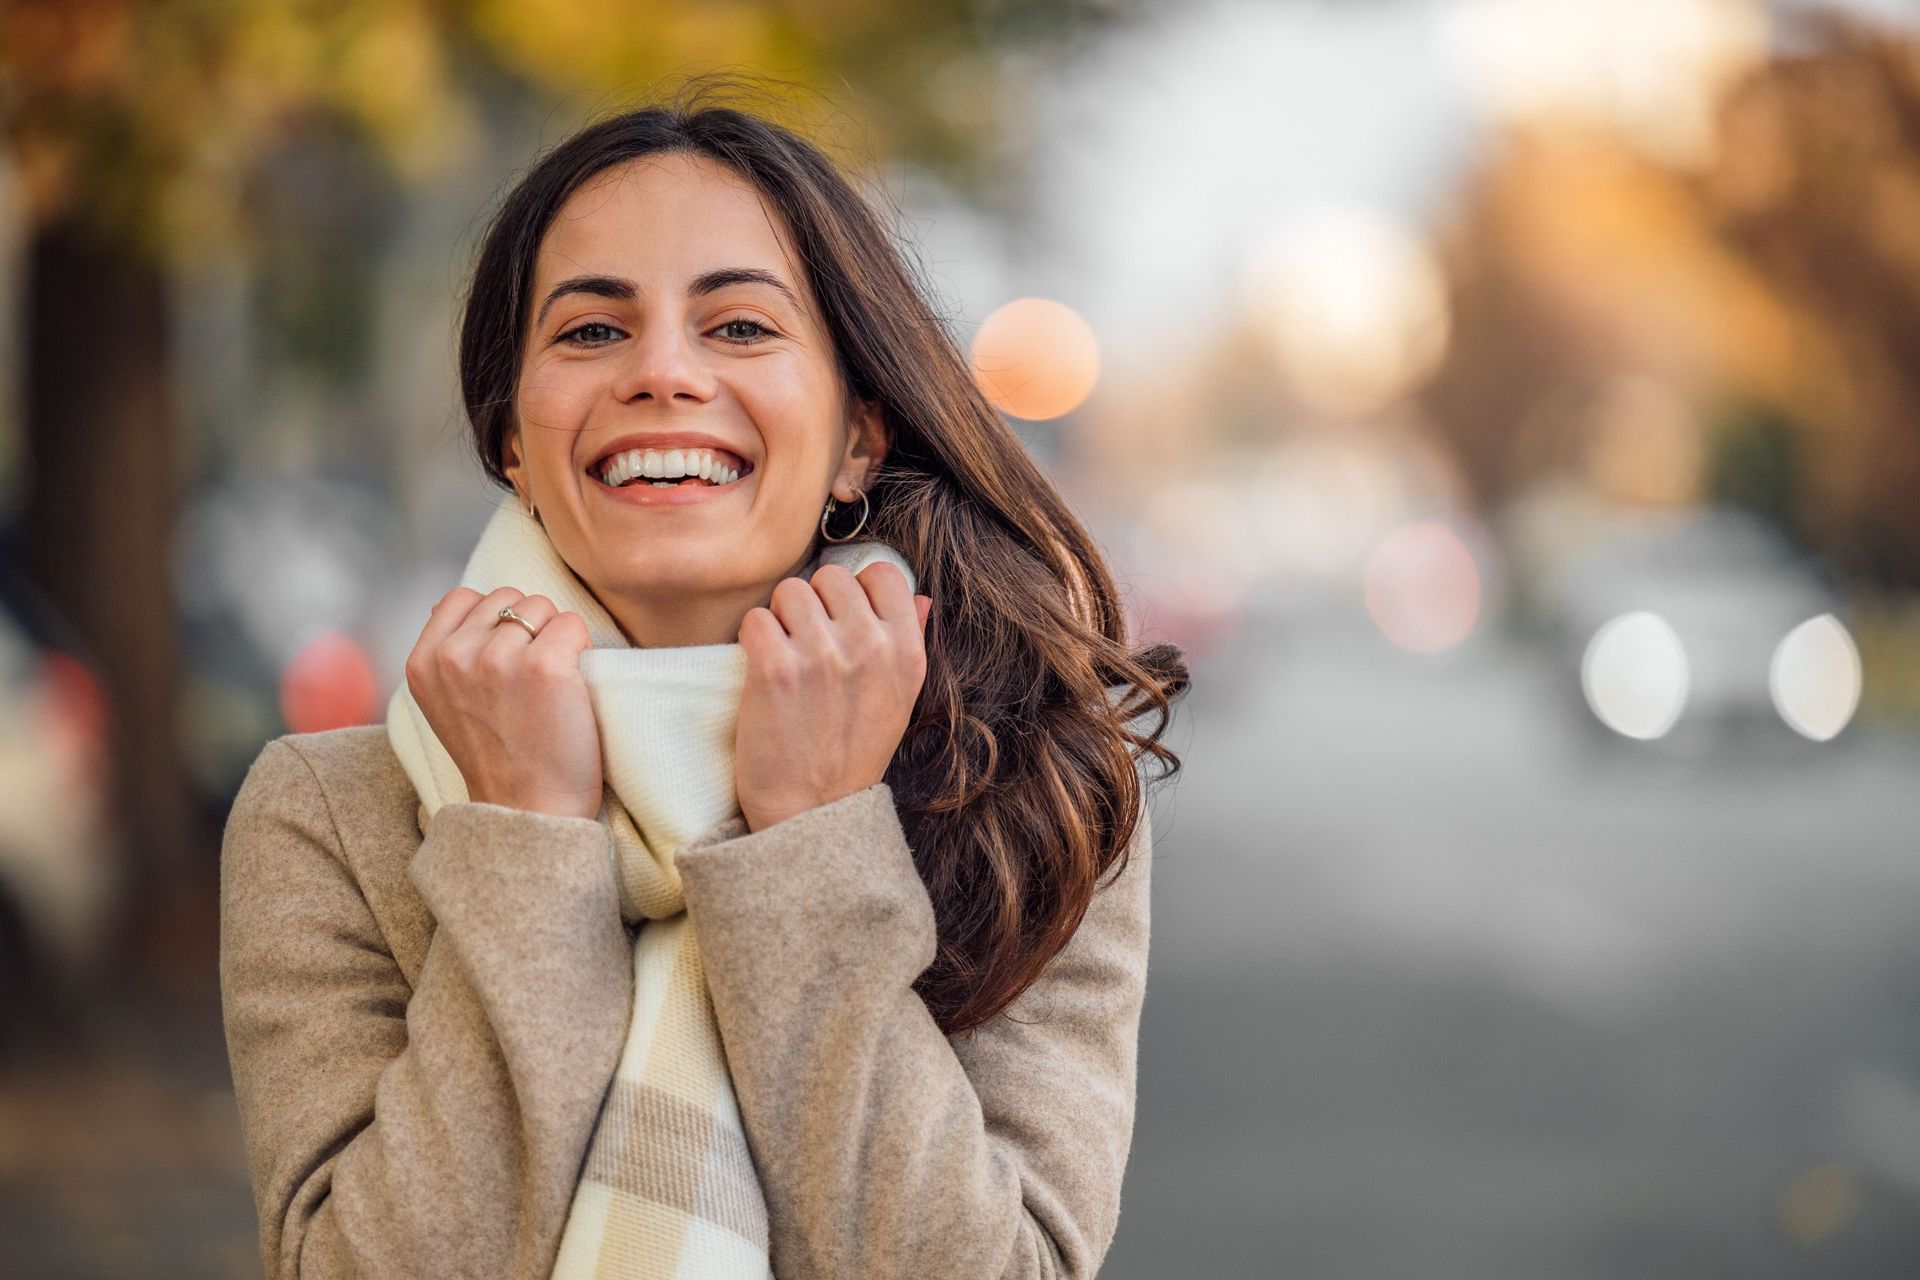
663,441
663,483
689,492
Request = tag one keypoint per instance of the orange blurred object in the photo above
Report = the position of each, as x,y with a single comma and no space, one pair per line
76,716
329,684
1036,358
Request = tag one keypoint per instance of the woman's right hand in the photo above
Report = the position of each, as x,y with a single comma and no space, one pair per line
511,709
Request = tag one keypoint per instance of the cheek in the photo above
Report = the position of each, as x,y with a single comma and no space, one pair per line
795,415
554,395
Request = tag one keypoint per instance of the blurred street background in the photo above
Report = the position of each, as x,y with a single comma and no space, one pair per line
1511,406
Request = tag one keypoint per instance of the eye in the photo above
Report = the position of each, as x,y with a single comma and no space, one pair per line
571,336
740,322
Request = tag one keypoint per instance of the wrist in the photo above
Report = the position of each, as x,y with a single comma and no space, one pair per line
551,805
760,817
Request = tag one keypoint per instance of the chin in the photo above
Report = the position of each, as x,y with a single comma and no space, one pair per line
672,571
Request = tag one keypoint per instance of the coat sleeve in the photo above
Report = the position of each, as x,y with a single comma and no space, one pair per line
410,1131
885,1148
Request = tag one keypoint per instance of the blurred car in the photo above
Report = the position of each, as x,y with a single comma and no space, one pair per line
1676,629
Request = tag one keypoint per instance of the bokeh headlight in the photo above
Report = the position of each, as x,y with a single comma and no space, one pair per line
1635,675
1815,677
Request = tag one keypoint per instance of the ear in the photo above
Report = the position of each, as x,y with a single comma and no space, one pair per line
867,441
515,466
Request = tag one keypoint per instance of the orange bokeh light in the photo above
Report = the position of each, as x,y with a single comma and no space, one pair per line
1036,358
329,684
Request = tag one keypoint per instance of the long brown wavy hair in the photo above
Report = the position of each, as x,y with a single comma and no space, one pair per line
1017,780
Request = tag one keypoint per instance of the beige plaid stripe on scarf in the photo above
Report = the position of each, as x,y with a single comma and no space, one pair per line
669,1188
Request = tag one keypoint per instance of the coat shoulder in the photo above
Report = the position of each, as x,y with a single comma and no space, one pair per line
361,751
355,786
362,779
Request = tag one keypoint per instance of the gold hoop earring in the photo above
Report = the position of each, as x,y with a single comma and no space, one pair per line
833,506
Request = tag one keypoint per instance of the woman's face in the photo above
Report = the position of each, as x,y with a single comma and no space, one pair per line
669,314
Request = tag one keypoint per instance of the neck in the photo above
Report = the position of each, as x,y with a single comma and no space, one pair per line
678,618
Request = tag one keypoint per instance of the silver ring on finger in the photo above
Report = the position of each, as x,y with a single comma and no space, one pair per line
508,615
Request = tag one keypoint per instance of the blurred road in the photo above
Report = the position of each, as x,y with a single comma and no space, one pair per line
1442,987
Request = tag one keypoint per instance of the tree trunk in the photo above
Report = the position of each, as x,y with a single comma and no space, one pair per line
101,495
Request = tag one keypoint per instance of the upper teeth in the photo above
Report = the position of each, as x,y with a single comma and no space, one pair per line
668,464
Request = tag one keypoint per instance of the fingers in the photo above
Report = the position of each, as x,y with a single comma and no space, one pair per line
797,605
887,592
760,628
505,633
839,592
453,627
448,614
880,591
893,601
559,643
465,625
473,630
566,631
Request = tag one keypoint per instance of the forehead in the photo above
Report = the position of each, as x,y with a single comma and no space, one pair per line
664,216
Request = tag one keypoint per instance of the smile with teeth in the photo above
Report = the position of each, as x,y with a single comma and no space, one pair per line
671,468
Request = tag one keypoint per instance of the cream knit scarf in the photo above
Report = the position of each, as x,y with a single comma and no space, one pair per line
669,1188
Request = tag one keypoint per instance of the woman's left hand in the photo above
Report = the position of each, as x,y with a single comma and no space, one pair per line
834,666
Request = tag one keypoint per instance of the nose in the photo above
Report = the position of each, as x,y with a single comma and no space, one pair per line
663,364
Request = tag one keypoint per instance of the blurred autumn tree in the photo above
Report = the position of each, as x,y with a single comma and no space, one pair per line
1774,289
135,131
1817,188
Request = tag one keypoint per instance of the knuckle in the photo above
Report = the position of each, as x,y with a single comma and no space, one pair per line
804,667
779,665
861,646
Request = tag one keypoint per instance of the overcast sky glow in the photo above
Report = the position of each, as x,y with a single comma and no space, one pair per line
1173,150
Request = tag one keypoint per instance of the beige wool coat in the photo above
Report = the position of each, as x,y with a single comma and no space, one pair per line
422,1025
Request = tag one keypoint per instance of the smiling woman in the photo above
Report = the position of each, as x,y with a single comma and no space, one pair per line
712,904
693,312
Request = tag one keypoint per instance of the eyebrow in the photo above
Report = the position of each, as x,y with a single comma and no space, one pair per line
623,290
